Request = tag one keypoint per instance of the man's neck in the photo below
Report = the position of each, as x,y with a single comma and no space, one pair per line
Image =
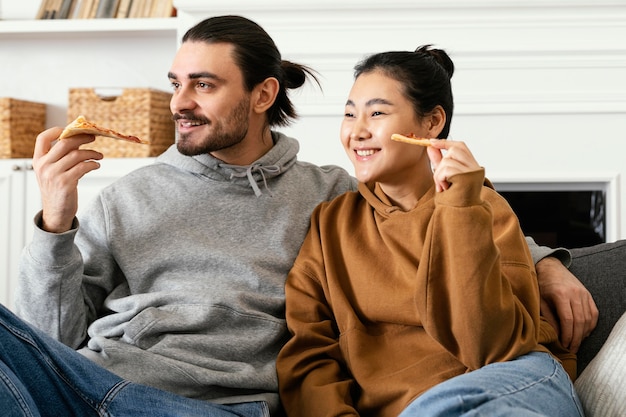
250,149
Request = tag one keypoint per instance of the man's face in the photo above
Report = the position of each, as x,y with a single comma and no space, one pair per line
210,104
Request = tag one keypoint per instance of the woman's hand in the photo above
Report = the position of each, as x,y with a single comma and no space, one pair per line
449,158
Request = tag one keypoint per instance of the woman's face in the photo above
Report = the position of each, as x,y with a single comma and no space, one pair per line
376,108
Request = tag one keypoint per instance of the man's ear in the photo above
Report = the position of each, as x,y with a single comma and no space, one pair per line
436,120
264,95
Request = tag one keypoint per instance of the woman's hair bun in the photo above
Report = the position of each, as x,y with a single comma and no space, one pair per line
439,55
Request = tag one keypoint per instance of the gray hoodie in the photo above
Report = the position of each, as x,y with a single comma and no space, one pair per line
174,277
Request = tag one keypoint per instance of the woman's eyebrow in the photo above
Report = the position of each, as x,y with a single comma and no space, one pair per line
371,102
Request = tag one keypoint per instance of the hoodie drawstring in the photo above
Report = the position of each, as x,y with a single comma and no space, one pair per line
243,171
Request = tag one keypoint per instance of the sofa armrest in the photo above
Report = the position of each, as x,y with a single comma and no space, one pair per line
602,270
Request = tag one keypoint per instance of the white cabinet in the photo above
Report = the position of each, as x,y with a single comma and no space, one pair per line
20,201
16,178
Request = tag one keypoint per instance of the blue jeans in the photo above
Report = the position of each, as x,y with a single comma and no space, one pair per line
40,376
531,385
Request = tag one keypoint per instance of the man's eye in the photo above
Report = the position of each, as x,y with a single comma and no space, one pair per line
348,115
377,113
175,85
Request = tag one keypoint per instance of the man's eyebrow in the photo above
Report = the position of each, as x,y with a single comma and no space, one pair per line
195,76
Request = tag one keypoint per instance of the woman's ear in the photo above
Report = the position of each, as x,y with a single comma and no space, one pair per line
264,95
436,120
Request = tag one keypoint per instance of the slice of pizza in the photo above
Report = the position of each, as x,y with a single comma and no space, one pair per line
410,138
81,125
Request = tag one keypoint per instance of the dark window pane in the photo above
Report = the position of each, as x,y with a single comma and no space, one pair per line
561,218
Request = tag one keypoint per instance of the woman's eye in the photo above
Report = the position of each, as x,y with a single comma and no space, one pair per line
377,113
348,115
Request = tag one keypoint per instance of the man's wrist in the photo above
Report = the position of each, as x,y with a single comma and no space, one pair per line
548,262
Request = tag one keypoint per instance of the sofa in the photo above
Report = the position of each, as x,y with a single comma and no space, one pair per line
601,382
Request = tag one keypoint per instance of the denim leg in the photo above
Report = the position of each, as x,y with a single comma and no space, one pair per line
14,398
531,385
52,378
40,376
142,401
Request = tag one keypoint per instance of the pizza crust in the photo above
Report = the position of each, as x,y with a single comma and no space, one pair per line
80,125
410,139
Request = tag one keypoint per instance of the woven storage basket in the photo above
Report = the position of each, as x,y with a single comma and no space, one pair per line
20,123
141,112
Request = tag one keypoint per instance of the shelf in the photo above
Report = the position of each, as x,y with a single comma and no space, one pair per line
9,28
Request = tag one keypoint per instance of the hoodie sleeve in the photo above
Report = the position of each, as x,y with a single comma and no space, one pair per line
540,252
311,369
480,298
58,291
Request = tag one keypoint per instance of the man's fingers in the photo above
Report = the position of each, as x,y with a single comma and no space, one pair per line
585,319
566,318
593,314
578,326
44,140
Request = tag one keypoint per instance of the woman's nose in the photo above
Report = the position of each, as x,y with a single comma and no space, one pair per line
359,131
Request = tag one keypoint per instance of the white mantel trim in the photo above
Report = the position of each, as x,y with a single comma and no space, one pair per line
420,13
282,5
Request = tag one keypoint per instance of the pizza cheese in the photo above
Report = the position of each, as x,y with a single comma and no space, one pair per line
82,126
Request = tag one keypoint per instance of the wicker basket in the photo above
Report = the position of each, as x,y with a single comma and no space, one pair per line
20,123
140,112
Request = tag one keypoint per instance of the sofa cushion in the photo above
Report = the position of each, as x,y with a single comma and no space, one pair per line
601,385
602,269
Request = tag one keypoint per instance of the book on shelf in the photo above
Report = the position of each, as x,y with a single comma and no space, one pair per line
51,9
99,9
107,9
123,9
65,9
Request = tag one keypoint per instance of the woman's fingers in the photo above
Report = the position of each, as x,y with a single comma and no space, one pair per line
450,158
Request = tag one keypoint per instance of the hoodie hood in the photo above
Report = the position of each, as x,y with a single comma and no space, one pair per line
256,175
376,197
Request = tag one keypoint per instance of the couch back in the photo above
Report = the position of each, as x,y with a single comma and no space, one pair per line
602,269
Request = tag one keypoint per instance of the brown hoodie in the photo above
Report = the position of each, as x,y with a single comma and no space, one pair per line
383,304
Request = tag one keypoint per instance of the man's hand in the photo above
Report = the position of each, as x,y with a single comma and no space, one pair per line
565,303
58,167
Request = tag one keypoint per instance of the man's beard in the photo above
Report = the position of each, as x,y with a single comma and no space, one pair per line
224,134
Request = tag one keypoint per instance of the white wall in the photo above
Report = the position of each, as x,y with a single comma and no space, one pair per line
18,9
540,85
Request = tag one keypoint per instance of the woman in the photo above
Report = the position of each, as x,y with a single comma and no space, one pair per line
415,295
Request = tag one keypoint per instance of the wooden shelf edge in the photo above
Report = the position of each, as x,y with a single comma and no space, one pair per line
30,27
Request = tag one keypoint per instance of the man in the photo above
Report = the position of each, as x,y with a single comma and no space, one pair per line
565,302
174,277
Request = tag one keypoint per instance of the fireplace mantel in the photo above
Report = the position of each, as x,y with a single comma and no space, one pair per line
539,85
